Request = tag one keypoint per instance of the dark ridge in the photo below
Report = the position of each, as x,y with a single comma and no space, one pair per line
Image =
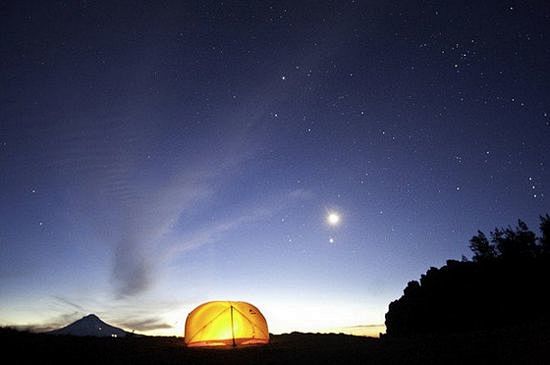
505,283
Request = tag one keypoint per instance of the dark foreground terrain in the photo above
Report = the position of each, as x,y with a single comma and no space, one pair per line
517,345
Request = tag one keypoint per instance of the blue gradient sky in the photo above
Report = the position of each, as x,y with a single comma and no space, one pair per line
157,156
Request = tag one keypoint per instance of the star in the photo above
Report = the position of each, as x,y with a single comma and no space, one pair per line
331,240
333,218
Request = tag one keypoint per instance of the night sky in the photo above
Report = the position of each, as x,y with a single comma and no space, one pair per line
157,155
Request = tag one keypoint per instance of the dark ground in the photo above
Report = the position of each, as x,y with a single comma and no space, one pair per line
517,345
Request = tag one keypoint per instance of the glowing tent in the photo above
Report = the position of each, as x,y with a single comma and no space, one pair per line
226,324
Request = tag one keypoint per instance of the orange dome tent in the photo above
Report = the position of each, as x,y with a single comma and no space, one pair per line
225,324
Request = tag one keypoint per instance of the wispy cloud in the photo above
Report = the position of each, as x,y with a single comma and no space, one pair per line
210,234
69,303
149,220
144,324
215,231
53,323
148,236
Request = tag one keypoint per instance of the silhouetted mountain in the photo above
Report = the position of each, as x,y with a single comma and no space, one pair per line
90,325
505,284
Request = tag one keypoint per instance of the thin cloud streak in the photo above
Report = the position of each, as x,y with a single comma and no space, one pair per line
146,324
213,233
69,303
56,322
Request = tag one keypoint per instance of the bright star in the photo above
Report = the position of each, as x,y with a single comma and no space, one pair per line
333,219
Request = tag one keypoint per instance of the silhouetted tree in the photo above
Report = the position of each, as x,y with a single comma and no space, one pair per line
545,233
505,283
481,247
515,244
412,288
